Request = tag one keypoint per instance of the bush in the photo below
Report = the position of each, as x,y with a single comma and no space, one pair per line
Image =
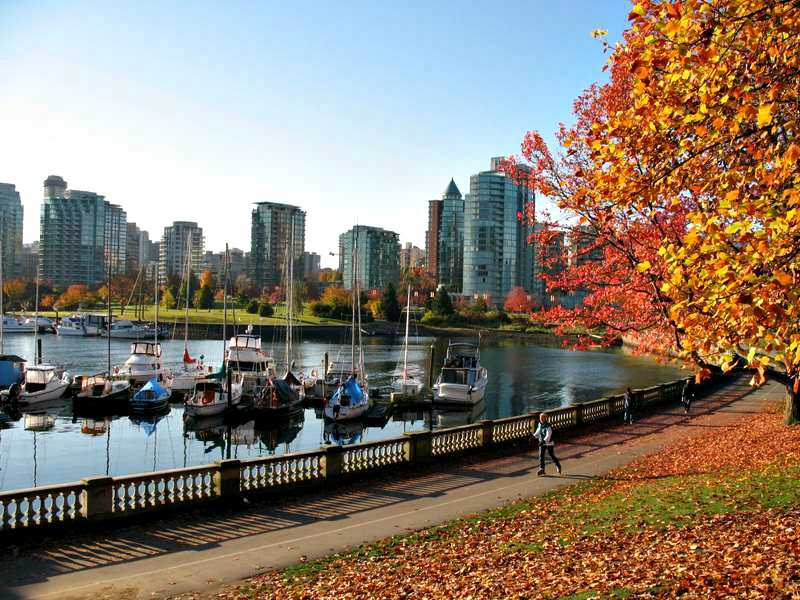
252,307
265,310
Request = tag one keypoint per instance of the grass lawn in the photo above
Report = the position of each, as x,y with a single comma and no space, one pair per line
214,316
717,515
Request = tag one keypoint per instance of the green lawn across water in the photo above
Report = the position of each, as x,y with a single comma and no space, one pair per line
213,316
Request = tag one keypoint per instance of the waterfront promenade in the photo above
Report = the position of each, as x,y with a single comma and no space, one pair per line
202,550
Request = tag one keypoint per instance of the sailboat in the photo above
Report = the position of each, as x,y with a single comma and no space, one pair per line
215,393
282,396
101,392
405,385
351,398
192,370
152,397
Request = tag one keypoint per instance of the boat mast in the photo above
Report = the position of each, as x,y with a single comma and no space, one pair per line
188,279
224,303
290,296
405,350
36,318
354,240
108,327
155,329
1,296
360,349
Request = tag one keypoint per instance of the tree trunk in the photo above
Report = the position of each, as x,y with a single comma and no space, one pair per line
792,413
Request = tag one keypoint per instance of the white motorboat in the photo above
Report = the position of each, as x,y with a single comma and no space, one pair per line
247,360
212,397
143,364
462,380
405,385
12,324
43,383
128,330
77,325
44,324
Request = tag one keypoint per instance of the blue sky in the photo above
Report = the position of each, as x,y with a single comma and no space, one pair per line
356,111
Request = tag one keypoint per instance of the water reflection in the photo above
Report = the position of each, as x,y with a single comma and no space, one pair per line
51,444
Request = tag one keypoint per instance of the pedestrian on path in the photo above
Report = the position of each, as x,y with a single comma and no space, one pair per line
687,396
544,434
627,405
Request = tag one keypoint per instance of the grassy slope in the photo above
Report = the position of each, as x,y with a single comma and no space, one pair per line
216,316
717,515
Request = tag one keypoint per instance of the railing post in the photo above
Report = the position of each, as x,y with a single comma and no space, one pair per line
228,479
579,415
421,444
97,498
487,433
334,462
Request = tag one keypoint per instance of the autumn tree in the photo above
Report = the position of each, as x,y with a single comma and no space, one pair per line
518,301
18,293
77,296
681,177
168,299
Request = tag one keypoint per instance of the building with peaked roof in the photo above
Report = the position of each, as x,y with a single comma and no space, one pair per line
444,240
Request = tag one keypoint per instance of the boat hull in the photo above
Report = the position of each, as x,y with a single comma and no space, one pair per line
456,393
345,413
53,393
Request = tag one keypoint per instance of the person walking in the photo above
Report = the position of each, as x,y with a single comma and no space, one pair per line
686,397
544,434
627,405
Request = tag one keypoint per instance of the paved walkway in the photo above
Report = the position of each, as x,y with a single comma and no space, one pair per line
202,551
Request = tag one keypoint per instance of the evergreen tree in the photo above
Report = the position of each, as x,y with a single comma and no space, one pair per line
389,306
204,298
442,305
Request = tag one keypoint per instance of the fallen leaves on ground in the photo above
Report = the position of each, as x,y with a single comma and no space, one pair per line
713,516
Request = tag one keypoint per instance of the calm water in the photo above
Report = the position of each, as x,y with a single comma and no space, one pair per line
49,445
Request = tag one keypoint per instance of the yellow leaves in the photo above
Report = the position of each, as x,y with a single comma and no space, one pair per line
785,279
765,115
752,354
734,227
644,266
722,271
598,33
639,10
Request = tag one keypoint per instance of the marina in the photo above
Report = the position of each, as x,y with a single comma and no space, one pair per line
56,441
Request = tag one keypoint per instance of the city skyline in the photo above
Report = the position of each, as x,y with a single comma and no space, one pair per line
270,114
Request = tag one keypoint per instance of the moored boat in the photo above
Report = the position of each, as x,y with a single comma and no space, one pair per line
462,379
12,324
143,364
246,359
42,383
152,397
212,396
76,325
101,393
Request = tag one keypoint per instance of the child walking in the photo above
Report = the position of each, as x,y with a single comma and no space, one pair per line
544,434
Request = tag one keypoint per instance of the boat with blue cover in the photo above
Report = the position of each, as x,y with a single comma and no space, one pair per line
150,398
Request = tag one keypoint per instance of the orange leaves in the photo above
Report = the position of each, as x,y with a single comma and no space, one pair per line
785,279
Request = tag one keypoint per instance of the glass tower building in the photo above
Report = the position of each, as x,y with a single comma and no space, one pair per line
270,234
450,259
174,248
497,252
79,232
11,213
377,256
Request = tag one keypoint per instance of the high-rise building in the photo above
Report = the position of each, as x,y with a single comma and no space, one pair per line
550,258
497,253
450,260
432,236
311,263
581,249
174,248
29,261
270,237
215,262
377,256
411,257
80,234
11,213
